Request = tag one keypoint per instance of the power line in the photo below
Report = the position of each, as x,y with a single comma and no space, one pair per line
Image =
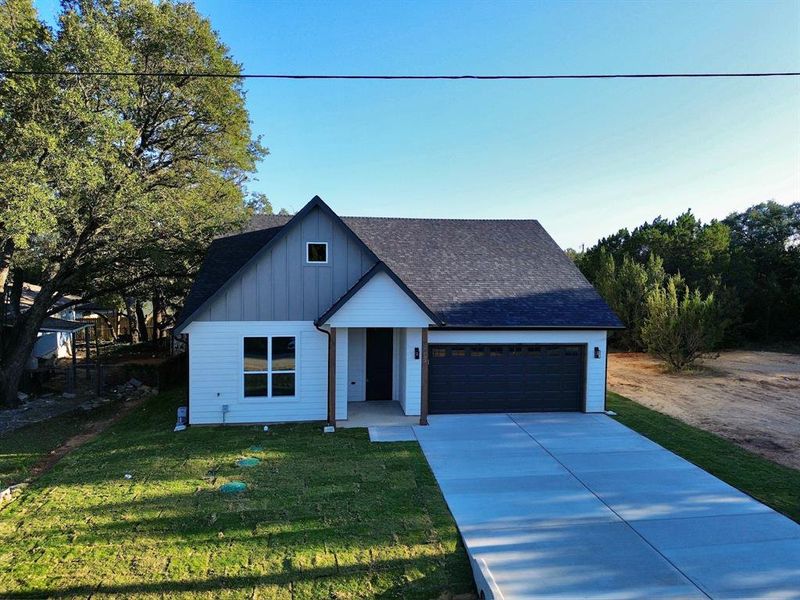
11,72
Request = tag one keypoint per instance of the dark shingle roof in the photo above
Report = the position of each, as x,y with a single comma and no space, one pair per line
224,257
486,273
476,273
54,324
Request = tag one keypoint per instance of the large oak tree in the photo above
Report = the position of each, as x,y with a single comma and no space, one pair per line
107,183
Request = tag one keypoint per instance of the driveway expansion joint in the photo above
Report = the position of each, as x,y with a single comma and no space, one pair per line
591,491
577,505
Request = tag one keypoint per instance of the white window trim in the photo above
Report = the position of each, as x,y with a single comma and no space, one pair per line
317,262
269,371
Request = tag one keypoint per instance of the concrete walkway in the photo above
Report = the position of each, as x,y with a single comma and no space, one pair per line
579,506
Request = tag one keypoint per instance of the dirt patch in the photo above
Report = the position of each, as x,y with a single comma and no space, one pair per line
87,435
751,398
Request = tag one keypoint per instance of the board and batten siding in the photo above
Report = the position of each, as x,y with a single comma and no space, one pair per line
217,375
595,367
281,286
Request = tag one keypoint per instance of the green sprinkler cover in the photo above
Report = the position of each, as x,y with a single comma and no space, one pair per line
247,462
233,487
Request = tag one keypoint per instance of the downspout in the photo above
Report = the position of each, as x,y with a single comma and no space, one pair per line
331,377
188,381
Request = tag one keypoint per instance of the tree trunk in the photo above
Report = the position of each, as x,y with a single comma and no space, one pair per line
133,331
6,253
15,298
156,313
141,322
111,326
17,344
11,375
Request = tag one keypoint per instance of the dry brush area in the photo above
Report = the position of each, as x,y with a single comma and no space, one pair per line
751,398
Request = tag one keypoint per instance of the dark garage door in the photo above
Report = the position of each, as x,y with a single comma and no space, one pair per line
505,378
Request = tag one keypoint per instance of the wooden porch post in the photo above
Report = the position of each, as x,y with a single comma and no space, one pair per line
423,414
332,377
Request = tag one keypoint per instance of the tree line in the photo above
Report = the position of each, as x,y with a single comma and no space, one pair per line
111,188
684,288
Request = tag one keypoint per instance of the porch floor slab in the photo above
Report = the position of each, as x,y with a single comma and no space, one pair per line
374,413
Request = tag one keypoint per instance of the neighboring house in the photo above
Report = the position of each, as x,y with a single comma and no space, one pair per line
55,335
298,316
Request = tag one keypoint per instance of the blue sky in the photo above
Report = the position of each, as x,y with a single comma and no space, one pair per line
583,157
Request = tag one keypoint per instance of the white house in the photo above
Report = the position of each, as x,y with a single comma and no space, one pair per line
297,317
54,339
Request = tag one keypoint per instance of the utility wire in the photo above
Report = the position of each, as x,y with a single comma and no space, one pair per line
12,72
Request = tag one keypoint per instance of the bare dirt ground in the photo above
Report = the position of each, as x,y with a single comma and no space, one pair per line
87,435
751,398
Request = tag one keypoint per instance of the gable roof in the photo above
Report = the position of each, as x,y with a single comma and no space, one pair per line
224,257
31,290
229,255
379,267
464,272
486,273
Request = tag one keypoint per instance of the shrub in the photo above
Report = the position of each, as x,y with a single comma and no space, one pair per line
681,324
625,288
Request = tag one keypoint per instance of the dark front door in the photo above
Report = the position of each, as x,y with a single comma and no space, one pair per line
379,364
506,378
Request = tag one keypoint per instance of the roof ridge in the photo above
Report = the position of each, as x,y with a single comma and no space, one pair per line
448,219
242,232
517,277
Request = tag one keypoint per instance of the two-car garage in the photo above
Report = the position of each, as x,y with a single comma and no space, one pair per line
484,372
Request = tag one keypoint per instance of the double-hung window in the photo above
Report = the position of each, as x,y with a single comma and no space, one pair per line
269,366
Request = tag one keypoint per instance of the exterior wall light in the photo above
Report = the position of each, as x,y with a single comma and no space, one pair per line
597,352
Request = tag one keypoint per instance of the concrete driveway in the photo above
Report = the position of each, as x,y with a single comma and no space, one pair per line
564,505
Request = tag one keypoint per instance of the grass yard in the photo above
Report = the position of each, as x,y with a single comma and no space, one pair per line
20,450
775,485
325,516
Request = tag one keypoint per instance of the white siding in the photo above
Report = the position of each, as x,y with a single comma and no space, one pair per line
356,364
595,367
216,376
401,372
380,303
341,372
397,356
413,372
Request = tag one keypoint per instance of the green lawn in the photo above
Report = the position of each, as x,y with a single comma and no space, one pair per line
325,516
20,450
773,484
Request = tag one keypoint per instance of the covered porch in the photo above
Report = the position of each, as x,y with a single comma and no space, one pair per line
378,337
377,377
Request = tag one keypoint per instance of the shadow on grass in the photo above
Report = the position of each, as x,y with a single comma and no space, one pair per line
327,583
322,512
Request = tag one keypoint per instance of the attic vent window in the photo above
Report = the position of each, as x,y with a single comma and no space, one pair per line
317,252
